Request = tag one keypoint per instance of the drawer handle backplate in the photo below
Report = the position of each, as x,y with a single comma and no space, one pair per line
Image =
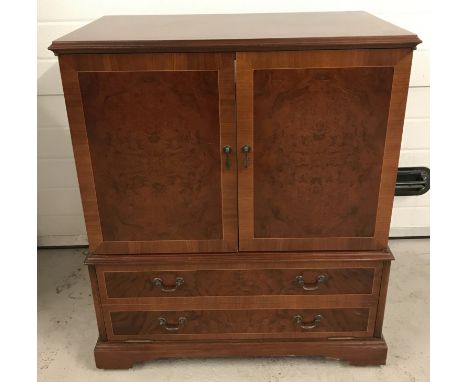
321,279
172,327
305,325
158,282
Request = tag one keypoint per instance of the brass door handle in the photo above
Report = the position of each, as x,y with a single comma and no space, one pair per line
172,327
246,150
228,150
179,281
312,325
321,279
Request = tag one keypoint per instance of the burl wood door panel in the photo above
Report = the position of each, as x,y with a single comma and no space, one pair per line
141,323
148,148
324,131
146,285
319,136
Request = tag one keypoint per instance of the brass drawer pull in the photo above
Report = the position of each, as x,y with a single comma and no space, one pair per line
172,327
304,325
158,282
321,279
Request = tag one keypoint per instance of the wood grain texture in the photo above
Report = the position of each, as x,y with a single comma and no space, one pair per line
382,299
319,134
97,303
232,324
245,302
131,284
396,117
358,352
323,116
234,32
242,260
178,306
244,280
125,228
383,61
154,143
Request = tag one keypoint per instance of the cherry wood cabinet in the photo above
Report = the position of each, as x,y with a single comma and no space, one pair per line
237,175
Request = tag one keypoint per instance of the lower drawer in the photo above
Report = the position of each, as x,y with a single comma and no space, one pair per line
142,323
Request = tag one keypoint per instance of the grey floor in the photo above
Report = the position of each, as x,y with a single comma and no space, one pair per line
67,332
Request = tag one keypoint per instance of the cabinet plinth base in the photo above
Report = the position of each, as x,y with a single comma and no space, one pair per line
123,355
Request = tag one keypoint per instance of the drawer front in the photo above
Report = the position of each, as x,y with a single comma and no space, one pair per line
146,324
120,286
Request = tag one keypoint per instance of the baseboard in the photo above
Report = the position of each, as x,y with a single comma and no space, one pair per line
396,232
62,241
358,352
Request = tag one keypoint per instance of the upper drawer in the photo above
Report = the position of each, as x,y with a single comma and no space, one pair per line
117,284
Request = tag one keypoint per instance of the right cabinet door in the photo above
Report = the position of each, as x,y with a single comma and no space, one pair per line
319,136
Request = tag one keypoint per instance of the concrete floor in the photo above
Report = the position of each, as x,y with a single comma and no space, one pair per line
67,332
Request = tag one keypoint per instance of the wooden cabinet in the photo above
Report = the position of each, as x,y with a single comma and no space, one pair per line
237,175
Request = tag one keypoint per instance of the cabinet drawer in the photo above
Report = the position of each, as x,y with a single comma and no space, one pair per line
120,286
146,324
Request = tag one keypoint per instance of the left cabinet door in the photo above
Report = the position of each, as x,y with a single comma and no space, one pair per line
148,133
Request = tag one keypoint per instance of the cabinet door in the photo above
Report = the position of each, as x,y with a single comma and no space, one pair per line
323,130
148,133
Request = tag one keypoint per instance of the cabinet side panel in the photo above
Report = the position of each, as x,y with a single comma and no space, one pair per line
79,138
395,123
97,302
382,299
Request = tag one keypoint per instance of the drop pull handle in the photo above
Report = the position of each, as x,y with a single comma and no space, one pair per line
228,150
246,150
308,325
179,281
172,327
321,279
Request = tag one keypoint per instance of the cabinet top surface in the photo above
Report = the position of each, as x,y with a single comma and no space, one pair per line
234,32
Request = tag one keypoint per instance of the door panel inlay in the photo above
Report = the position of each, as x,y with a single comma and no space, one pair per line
154,139
319,138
